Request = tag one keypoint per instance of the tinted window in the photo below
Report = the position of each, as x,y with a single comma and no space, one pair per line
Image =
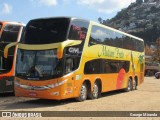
105,36
101,36
118,41
128,43
102,66
92,67
45,31
110,66
10,33
78,30
139,46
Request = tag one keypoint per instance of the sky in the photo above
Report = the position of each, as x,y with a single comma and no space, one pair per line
25,10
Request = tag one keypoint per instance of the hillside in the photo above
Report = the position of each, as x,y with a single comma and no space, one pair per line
141,19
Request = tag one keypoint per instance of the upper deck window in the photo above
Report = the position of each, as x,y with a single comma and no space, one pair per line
78,30
10,33
104,36
46,31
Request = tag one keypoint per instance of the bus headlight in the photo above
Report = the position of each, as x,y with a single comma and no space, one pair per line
57,84
28,87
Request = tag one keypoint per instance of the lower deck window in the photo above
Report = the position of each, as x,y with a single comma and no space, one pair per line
102,66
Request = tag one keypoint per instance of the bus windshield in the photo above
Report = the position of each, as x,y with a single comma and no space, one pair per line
38,64
46,31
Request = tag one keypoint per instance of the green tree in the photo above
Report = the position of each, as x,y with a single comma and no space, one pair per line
100,20
146,1
139,2
156,56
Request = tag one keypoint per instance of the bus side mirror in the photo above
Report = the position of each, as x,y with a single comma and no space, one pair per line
7,47
61,48
60,52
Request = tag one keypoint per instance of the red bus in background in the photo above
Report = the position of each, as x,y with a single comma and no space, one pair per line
9,32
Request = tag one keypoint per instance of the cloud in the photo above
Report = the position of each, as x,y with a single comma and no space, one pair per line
90,2
105,6
6,9
102,34
66,1
45,2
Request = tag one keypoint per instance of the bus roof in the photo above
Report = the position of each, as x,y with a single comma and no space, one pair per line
92,22
14,23
65,17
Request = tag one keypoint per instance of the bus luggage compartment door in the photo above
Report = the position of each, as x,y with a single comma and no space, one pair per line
6,84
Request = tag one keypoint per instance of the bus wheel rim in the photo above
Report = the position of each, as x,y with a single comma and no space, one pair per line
83,92
134,85
95,90
129,85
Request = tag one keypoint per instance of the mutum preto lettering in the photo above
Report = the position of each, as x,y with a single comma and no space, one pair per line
106,52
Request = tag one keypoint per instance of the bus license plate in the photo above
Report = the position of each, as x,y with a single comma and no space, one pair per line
32,94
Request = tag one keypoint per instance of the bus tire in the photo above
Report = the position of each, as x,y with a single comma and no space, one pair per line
95,93
129,86
134,86
83,93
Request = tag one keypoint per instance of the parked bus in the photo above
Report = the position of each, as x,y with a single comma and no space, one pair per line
9,32
63,57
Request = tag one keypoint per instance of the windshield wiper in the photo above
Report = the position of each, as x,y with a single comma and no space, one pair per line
21,74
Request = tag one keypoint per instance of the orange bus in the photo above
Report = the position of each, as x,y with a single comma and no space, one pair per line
65,57
9,32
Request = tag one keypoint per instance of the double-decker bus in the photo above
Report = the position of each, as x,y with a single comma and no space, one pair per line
9,33
65,57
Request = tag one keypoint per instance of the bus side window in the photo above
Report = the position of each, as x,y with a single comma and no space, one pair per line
107,67
88,69
92,67
69,65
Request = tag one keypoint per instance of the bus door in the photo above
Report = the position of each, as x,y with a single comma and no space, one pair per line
72,61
